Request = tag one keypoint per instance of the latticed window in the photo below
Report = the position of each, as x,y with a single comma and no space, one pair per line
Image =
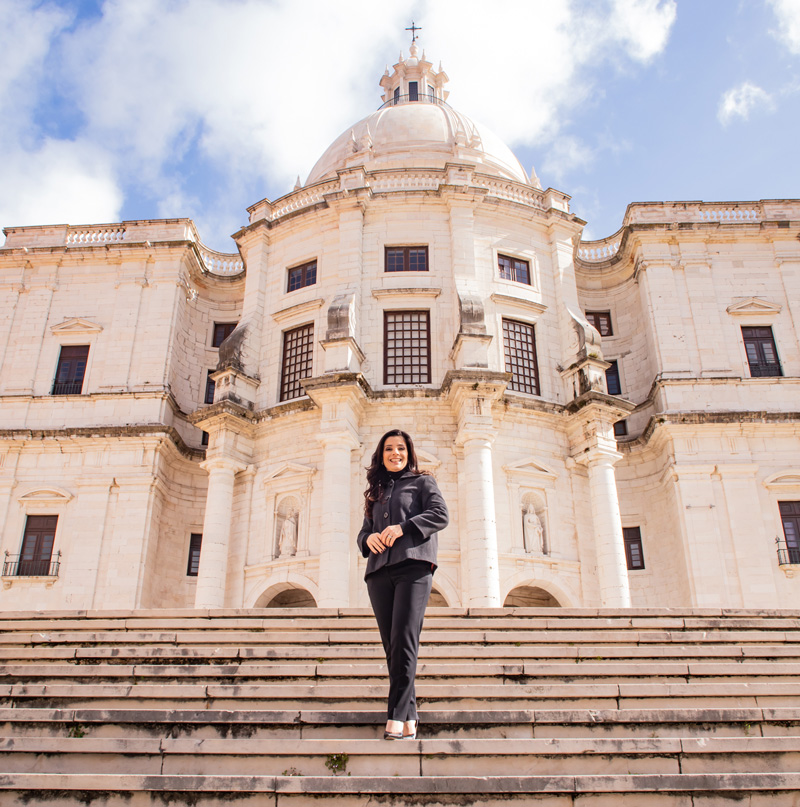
634,552
613,384
71,370
407,340
297,349
790,518
406,259
195,543
519,347
37,546
302,276
601,320
761,353
514,269
222,330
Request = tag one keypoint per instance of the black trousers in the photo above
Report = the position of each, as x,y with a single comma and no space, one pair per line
399,595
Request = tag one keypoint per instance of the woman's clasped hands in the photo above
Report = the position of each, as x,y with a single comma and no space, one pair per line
380,541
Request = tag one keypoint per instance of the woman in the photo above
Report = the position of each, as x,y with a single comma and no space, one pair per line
403,512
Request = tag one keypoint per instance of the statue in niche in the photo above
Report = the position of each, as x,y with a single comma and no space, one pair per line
287,543
532,531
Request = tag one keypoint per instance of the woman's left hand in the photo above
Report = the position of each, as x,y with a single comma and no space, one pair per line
391,534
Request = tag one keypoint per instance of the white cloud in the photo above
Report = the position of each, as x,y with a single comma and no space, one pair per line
567,154
259,90
60,182
788,14
739,102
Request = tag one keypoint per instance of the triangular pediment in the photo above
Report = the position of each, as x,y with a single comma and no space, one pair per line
754,305
45,495
530,467
289,470
76,325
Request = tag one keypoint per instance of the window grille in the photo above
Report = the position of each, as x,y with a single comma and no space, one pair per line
613,384
36,556
519,346
789,548
222,330
407,354
297,356
195,543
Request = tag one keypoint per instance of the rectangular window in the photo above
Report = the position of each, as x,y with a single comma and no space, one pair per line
519,348
601,320
210,388
406,259
297,353
204,439
195,542
407,339
413,91
790,517
37,546
612,379
621,428
634,553
71,370
761,353
514,269
301,276
222,330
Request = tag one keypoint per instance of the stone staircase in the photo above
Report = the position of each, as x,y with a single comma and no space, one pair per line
285,707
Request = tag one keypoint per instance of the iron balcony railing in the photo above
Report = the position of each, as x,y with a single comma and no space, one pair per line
787,555
67,388
419,98
18,566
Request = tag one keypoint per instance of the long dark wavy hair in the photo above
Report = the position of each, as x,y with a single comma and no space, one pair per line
378,476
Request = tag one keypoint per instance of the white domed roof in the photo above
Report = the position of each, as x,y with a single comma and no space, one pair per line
418,134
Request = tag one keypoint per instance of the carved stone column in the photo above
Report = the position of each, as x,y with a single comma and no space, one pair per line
211,574
472,395
591,433
340,396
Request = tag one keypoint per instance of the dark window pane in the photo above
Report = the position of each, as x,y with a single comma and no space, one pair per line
37,546
406,259
762,355
71,370
612,379
298,277
413,91
210,388
407,356
601,320
634,551
222,330
297,355
514,269
621,428
519,347
195,543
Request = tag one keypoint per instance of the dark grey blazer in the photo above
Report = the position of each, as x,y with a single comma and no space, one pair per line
415,503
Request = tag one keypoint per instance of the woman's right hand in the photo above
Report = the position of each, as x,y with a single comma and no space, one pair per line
375,544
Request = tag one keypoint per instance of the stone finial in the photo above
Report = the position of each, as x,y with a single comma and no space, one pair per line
298,184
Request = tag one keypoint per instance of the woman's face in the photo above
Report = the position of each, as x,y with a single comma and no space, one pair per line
395,453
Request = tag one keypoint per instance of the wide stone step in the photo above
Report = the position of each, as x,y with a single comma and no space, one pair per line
652,789
483,757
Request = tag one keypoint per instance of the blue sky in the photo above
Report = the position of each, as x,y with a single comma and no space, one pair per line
135,109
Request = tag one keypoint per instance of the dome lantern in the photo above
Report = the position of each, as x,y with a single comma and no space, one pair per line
414,80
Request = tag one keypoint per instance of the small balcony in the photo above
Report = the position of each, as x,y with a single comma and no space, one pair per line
19,566
413,98
787,555
67,387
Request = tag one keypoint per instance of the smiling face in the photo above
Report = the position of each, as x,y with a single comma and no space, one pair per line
395,453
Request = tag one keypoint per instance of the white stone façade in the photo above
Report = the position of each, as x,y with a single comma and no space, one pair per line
710,451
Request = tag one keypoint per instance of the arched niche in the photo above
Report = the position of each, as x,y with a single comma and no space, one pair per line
437,599
286,595
530,597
